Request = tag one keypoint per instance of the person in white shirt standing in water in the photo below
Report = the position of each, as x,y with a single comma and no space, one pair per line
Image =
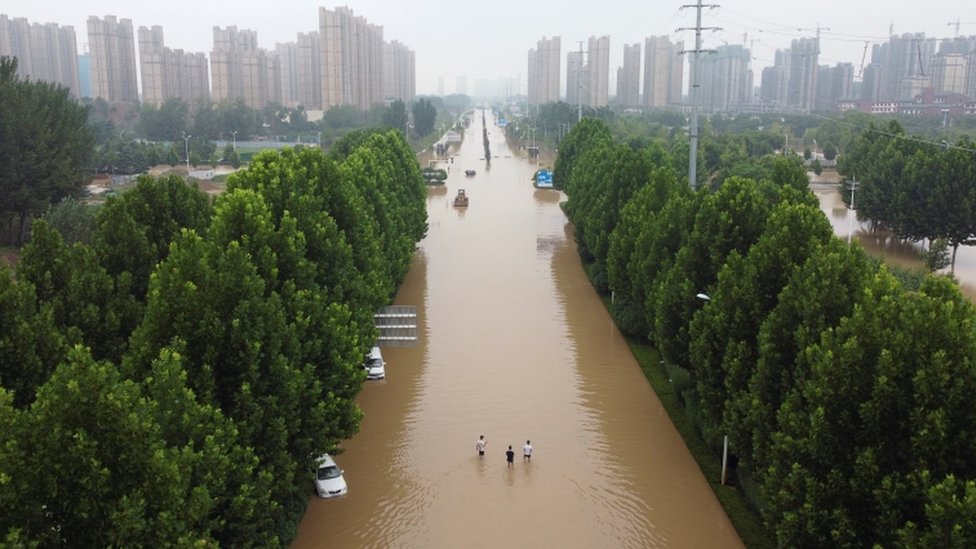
527,451
481,446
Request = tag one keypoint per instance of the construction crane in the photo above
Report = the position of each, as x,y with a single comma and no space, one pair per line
957,24
817,29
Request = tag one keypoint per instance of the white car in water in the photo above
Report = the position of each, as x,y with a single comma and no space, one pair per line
328,478
374,364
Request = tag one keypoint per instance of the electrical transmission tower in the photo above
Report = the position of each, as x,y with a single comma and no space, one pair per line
693,128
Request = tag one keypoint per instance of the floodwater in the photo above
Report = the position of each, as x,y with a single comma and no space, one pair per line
880,243
514,345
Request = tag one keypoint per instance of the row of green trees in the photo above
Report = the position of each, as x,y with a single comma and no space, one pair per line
172,382
844,393
221,120
918,190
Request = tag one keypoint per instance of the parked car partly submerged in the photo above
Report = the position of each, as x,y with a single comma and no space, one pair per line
374,364
329,482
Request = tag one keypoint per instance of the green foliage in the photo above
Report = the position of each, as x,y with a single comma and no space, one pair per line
135,229
74,219
167,122
31,345
917,190
885,404
578,140
950,517
829,152
396,116
424,115
842,387
88,305
45,145
85,466
633,258
937,256
239,332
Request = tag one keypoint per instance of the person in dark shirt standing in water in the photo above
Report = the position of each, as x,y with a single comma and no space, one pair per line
510,456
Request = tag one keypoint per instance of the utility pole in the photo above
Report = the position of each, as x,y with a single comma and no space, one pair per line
186,145
693,128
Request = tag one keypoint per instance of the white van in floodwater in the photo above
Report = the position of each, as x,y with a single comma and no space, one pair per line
375,366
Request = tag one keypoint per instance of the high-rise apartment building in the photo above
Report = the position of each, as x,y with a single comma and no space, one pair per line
45,52
399,68
577,79
544,71
774,88
352,59
299,66
628,77
949,73
725,79
111,44
239,69
308,81
287,54
802,87
170,74
902,66
970,88
229,44
663,72
833,84
598,67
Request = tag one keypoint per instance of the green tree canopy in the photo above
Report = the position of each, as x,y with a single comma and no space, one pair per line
424,116
45,146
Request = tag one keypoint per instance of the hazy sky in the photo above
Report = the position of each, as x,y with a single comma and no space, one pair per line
490,39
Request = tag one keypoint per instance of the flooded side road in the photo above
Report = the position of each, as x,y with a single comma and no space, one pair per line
881,243
515,345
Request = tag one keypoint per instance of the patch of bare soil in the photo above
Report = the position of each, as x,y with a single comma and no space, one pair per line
9,257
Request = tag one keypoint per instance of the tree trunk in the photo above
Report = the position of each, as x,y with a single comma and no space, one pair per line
21,227
955,248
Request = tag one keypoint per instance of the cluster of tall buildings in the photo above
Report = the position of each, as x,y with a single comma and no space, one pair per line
588,73
907,74
47,52
346,62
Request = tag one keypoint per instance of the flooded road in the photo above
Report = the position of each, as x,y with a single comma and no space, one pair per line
514,345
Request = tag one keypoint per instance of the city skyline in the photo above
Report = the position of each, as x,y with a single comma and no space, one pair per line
484,44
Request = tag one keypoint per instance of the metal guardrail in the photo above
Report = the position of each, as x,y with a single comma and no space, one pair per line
397,326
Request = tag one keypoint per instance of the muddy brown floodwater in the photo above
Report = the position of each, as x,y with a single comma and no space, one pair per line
515,345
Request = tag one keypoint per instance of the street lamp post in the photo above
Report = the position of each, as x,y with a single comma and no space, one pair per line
725,439
850,213
186,148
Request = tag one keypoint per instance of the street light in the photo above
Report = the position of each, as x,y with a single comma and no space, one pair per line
186,144
725,439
